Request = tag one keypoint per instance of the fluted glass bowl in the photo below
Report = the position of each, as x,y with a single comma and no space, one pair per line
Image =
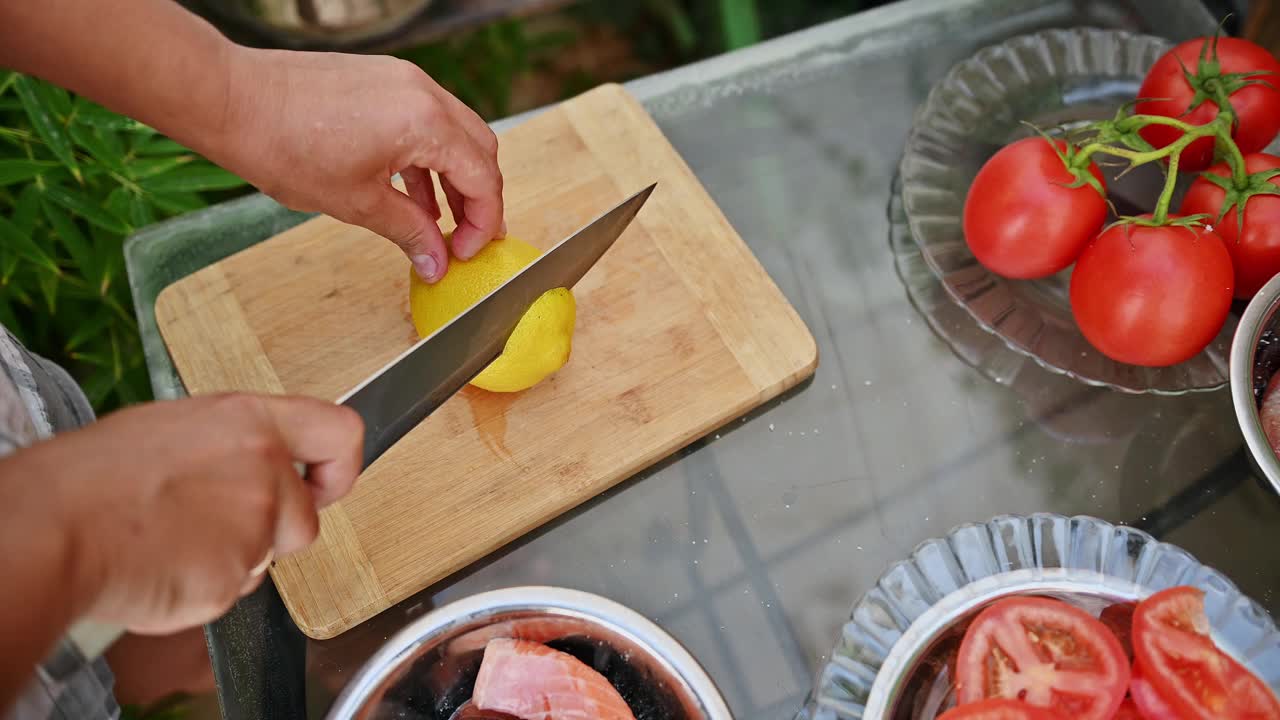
885,664
1053,79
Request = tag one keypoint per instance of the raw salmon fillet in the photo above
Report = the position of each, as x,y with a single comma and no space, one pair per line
468,711
534,682
1269,414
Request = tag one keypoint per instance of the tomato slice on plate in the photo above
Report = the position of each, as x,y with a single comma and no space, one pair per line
1176,654
1128,711
999,709
1046,653
1119,620
1148,702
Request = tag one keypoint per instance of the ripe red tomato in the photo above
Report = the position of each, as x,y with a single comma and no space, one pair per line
1257,107
1128,711
1118,618
1178,657
1152,296
1046,653
1020,219
999,709
1147,701
1255,253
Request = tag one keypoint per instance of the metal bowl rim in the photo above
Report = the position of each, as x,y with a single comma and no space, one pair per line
1244,348
403,646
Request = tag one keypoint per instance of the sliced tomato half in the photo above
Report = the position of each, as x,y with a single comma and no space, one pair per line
999,709
1046,653
1127,711
1119,620
1148,702
1176,654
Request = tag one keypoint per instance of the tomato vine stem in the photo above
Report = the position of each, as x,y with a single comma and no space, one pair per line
1119,137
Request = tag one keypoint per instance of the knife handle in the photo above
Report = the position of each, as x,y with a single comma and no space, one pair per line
92,638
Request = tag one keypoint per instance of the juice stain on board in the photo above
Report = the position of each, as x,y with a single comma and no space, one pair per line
489,409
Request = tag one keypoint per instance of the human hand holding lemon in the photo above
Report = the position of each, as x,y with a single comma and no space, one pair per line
542,340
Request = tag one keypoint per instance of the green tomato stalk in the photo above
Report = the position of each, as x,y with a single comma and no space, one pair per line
1120,137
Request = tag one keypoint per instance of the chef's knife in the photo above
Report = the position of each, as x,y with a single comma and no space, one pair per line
402,394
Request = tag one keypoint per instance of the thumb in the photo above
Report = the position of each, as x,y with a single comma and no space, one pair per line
395,216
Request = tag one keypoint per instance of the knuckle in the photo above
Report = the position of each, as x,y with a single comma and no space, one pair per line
428,113
266,448
241,405
363,206
412,239
407,70
352,423
489,141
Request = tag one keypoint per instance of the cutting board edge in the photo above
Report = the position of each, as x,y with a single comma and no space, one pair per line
345,622
331,629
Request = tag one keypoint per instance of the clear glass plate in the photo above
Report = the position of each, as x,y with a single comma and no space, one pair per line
1057,403
1051,79
885,664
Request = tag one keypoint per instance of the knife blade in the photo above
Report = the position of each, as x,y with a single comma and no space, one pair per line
403,393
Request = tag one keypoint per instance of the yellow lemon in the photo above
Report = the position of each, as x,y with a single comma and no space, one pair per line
541,341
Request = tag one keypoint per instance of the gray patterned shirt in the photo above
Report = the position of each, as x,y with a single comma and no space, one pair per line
37,400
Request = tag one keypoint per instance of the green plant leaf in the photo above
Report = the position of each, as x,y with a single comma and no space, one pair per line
145,167
87,112
97,385
117,203
112,262
16,171
127,391
59,101
8,318
26,211
86,207
161,146
77,245
141,213
678,24
192,178
7,79
49,289
19,293
99,356
40,102
9,261
12,237
178,202
117,365
740,23
105,151
98,321
17,137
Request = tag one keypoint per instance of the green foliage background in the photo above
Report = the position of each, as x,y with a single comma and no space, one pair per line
75,180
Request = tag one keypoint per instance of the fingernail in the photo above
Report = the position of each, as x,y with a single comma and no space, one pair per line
426,267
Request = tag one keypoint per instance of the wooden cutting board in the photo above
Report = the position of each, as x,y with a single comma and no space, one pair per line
679,330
